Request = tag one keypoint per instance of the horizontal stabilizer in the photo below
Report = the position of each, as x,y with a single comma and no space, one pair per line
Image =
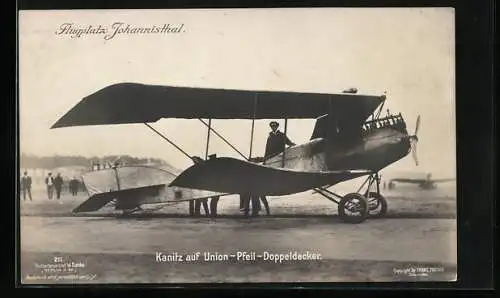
241,177
130,197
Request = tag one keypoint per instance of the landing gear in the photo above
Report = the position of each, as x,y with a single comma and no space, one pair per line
377,204
353,208
356,207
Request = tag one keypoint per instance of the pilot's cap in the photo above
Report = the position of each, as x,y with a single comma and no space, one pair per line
274,124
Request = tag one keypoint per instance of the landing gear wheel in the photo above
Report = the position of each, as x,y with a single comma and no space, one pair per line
353,208
377,204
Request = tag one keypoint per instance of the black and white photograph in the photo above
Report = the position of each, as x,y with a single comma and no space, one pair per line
277,145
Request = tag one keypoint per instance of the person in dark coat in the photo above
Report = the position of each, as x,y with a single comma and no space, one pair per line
256,206
196,209
245,203
266,204
276,141
26,186
213,205
73,186
58,183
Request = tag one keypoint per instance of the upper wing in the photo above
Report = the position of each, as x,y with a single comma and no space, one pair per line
241,177
138,103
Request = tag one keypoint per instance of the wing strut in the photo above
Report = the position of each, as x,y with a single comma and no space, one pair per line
253,124
284,152
208,137
166,139
223,139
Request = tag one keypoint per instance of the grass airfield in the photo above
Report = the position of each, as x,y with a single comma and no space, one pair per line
416,240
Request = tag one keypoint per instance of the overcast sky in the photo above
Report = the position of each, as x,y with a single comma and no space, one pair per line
409,53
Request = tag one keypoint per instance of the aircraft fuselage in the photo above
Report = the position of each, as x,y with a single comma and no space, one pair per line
373,151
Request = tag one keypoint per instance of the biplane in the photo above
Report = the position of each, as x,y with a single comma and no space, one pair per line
424,183
350,140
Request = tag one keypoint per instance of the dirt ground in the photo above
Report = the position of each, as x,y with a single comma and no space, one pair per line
404,202
415,241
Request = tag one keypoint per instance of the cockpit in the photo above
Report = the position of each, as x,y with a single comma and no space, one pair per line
394,121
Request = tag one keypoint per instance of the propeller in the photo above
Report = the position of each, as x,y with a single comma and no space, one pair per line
417,125
414,140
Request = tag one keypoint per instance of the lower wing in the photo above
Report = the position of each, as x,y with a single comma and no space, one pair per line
229,175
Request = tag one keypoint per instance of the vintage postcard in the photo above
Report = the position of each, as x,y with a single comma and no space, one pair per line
237,145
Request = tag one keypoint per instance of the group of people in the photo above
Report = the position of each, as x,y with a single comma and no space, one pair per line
52,183
276,143
97,165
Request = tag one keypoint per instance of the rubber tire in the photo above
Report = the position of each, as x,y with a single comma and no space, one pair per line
353,219
381,200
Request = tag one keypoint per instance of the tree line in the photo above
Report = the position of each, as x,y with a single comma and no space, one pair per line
56,161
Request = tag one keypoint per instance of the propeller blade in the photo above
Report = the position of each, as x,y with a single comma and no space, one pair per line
414,151
417,125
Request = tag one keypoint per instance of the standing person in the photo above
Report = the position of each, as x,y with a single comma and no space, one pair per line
266,204
255,205
191,208
49,181
197,207
242,204
58,182
276,141
26,186
73,186
245,203
213,205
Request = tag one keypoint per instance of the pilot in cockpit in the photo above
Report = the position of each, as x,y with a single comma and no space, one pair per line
276,141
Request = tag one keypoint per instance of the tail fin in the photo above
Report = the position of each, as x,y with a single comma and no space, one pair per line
320,128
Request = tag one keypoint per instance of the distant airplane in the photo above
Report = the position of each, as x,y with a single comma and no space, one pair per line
425,183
